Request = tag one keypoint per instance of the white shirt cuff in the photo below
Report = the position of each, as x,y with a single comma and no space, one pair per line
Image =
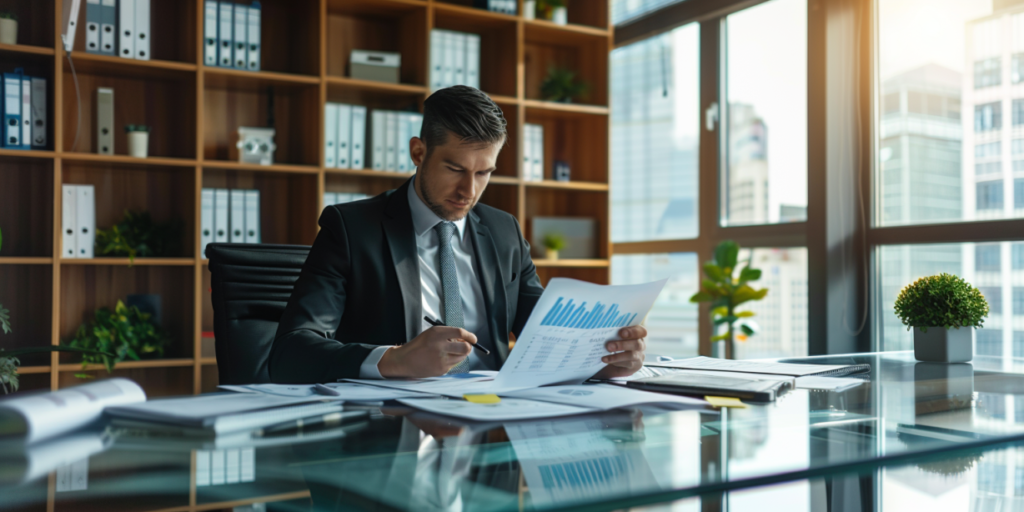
368,370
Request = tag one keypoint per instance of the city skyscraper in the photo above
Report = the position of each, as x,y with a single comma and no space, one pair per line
746,196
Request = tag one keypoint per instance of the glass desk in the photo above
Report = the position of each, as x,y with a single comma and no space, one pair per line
934,419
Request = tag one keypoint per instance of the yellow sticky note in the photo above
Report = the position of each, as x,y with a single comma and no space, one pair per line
725,401
482,399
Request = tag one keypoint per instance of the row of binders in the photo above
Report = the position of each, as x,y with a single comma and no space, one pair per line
533,152
229,216
344,135
117,27
231,35
454,59
341,198
391,133
24,111
502,6
78,220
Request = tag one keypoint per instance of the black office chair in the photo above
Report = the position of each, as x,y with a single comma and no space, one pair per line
251,285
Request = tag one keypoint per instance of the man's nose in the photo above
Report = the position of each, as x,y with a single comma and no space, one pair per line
467,186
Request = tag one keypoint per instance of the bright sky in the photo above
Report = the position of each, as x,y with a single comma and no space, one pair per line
916,32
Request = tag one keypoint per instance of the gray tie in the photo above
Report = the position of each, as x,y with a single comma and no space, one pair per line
451,298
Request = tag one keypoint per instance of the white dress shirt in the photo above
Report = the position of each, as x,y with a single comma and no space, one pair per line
474,312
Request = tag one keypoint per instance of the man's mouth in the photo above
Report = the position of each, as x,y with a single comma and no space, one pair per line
459,204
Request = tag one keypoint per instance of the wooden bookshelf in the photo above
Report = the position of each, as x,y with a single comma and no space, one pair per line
194,111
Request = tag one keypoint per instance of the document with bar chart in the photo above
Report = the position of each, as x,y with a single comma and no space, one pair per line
565,337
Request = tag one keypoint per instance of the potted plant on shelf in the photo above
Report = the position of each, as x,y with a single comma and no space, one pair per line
561,85
138,140
114,336
726,291
138,235
941,310
553,10
8,28
9,359
553,242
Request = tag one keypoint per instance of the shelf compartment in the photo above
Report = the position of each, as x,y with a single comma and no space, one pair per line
27,291
26,207
389,26
38,66
86,288
586,54
26,49
126,161
376,95
579,139
290,36
35,22
288,202
167,193
364,173
274,168
172,33
498,54
543,202
296,118
502,197
138,99
125,262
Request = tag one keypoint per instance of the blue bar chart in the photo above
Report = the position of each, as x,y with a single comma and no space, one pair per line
576,315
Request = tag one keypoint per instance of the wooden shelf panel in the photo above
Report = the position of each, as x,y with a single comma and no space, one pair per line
208,361
124,262
93,64
504,180
26,49
365,173
32,153
371,85
274,168
472,13
25,261
241,80
29,370
129,365
126,161
569,108
570,185
571,263
552,33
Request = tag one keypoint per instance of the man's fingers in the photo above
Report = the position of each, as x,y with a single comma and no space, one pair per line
457,348
624,359
637,345
454,333
633,333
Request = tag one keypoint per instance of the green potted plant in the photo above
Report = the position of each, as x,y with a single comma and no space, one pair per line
114,336
8,27
138,140
553,242
941,310
726,290
137,235
561,85
9,359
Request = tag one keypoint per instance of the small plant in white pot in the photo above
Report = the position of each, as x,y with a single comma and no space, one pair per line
553,242
8,28
942,310
138,140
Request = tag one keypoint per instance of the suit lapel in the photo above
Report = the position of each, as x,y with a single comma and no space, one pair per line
402,243
492,283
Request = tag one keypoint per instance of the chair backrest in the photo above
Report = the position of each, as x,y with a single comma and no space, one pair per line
251,285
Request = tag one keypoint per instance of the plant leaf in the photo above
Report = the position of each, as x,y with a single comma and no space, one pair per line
726,254
701,296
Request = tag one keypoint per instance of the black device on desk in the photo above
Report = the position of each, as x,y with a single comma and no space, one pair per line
702,384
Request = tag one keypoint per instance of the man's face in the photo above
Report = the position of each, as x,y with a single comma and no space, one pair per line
453,179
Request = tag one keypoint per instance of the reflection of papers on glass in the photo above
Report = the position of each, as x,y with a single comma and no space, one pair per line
454,385
566,462
350,391
602,396
24,463
729,365
827,383
564,339
48,414
509,409
218,467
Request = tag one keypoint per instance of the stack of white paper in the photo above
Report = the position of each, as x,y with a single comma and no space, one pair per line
49,414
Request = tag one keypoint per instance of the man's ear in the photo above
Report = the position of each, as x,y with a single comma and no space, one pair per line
417,150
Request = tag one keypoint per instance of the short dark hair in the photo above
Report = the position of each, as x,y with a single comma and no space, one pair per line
464,111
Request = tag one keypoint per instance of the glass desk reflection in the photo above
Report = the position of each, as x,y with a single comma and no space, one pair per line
906,414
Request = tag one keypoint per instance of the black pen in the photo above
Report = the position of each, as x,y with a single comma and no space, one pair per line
438,323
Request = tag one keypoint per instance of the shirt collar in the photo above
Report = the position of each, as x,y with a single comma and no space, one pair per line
423,219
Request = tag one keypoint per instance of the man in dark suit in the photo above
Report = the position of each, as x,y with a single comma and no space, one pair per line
379,266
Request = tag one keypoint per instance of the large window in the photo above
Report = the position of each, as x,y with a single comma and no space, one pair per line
672,323
764,175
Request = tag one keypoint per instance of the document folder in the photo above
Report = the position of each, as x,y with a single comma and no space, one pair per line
142,21
39,124
253,36
330,135
252,217
26,112
220,216
210,33
93,24
68,224
344,135
225,25
379,128
126,28
12,110
358,157
206,220
85,217
108,29
241,61
237,218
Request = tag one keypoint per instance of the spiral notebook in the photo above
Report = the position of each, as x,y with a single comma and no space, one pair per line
788,369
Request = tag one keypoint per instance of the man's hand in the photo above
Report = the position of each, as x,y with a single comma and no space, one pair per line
432,353
627,354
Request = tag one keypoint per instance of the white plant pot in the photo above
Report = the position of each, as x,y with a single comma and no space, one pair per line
530,9
551,254
940,345
138,144
8,31
560,16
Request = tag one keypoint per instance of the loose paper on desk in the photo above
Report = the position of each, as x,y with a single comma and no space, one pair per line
603,396
48,414
564,339
454,385
350,392
509,409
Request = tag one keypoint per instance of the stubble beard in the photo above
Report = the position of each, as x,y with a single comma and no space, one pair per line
438,208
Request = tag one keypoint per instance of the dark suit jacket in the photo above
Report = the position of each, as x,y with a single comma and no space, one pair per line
360,287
